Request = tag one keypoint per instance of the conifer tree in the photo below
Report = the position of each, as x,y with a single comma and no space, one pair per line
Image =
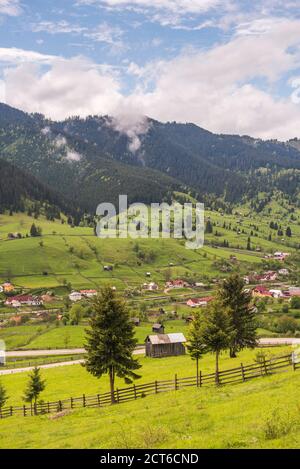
3,396
110,340
196,347
233,296
34,388
215,330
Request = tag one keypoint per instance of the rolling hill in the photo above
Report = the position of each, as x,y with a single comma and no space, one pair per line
90,161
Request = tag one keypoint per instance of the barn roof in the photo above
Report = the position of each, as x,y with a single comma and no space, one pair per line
167,338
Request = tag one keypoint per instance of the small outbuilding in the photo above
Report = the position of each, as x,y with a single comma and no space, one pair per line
158,328
136,321
165,345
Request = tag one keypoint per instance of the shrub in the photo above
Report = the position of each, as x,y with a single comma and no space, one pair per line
277,425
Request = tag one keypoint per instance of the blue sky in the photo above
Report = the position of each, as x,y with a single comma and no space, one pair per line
229,66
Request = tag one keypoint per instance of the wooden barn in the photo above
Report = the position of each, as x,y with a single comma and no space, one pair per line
158,328
165,345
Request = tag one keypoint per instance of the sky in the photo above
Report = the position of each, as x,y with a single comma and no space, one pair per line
230,66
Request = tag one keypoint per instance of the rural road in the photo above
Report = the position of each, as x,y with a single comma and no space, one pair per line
41,353
265,342
272,341
12,371
278,341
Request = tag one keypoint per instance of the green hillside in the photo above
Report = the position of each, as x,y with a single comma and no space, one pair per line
260,414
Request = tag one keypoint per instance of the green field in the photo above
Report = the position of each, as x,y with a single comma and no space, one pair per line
51,337
74,255
74,380
263,413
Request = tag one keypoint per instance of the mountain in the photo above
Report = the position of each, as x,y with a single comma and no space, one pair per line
20,191
89,161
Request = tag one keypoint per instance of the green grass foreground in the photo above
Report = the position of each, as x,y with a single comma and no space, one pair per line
263,413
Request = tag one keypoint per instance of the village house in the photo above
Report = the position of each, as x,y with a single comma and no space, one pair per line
17,301
261,291
280,256
165,345
8,287
75,296
158,328
198,302
150,286
283,272
88,293
177,284
276,293
136,321
294,291
108,268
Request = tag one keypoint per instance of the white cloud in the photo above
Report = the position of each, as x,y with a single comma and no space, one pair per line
51,27
129,121
165,12
14,55
111,35
68,87
216,88
73,155
10,7
183,6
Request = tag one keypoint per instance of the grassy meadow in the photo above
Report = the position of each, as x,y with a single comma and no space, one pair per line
74,380
262,413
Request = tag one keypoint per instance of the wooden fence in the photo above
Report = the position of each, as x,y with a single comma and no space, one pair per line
230,376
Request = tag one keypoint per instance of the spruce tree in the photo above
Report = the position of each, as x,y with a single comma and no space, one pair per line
33,230
3,396
110,340
34,388
288,232
215,330
195,346
233,296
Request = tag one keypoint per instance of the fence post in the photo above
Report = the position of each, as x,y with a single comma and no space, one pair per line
0,412
24,410
48,407
243,372
176,386
265,366
11,411
83,400
156,387
200,379
71,402
134,390
60,405
118,397
98,397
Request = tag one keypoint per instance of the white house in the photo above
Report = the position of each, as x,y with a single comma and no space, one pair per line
150,286
276,293
75,296
283,272
87,293
17,301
